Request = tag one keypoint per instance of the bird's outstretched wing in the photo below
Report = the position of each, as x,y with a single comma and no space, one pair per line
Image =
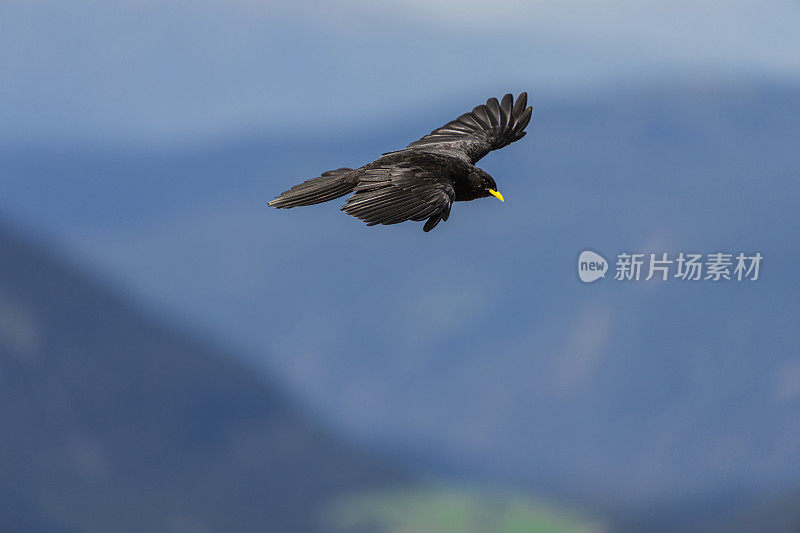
488,127
392,194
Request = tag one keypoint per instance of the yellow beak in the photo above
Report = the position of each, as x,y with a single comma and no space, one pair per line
496,195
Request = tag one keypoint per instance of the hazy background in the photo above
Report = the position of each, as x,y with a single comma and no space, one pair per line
463,378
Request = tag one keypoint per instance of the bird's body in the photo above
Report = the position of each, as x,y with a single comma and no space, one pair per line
422,180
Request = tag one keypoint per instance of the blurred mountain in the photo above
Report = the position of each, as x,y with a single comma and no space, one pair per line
114,422
475,349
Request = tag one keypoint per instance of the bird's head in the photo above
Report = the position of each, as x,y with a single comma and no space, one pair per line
485,184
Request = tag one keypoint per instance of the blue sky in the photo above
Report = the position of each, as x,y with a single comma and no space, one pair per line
150,71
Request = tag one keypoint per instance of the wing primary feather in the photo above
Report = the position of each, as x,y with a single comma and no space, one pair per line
520,104
523,120
493,110
506,105
482,117
431,223
469,120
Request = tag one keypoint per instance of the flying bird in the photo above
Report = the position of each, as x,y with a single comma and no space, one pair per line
422,180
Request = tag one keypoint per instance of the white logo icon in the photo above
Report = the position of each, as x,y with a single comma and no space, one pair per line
591,266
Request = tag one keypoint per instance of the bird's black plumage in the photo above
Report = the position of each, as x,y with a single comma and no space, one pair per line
422,180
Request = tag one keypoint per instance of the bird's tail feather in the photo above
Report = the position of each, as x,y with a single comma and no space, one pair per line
330,185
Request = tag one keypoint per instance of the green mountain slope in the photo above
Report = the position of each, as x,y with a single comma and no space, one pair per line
447,509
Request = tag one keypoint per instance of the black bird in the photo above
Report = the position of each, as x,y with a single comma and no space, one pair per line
425,178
